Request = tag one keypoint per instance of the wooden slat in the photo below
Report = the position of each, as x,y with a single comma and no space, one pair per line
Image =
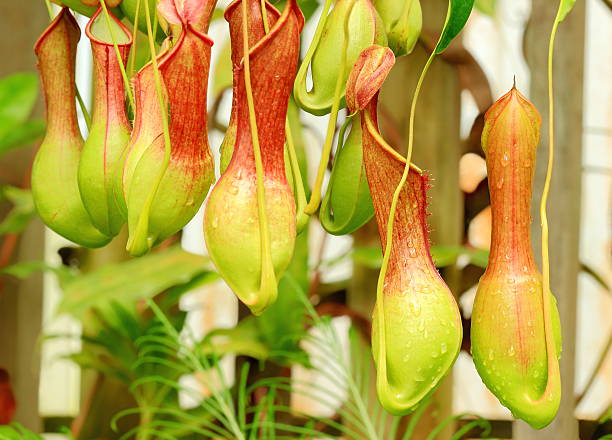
564,202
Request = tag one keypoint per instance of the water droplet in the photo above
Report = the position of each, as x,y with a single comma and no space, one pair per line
414,306
511,351
508,256
418,377
500,183
215,222
525,268
443,348
412,252
505,160
490,354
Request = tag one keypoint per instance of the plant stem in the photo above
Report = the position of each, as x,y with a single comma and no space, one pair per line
298,183
135,31
315,197
126,80
83,108
49,8
145,418
143,220
264,16
551,351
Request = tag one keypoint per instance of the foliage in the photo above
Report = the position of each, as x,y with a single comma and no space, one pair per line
22,212
134,280
261,409
18,93
17,432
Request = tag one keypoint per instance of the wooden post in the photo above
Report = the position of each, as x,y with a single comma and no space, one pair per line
564,201
21,301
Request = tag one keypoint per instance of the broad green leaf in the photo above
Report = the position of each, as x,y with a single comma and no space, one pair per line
281,326
458,13
240,340
368,256
18,94
21,214
25,269
486,6
443,256
17,432
77,6
217,14
223,78
308,7
565,6
22,135
128,282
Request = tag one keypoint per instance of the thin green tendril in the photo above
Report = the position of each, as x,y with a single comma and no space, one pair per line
143,219
390,222
315,198
268,277
126,80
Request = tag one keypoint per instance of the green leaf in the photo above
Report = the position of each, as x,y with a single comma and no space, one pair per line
21,214
486,6
241,340
368,256
18,94
81,8
17,432
224,75
443,256
281,326
25,269
217,14
308,7
22,135
565,6
131,281
458,13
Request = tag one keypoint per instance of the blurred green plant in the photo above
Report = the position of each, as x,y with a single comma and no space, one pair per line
18,94
261,409
17,432
22,212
